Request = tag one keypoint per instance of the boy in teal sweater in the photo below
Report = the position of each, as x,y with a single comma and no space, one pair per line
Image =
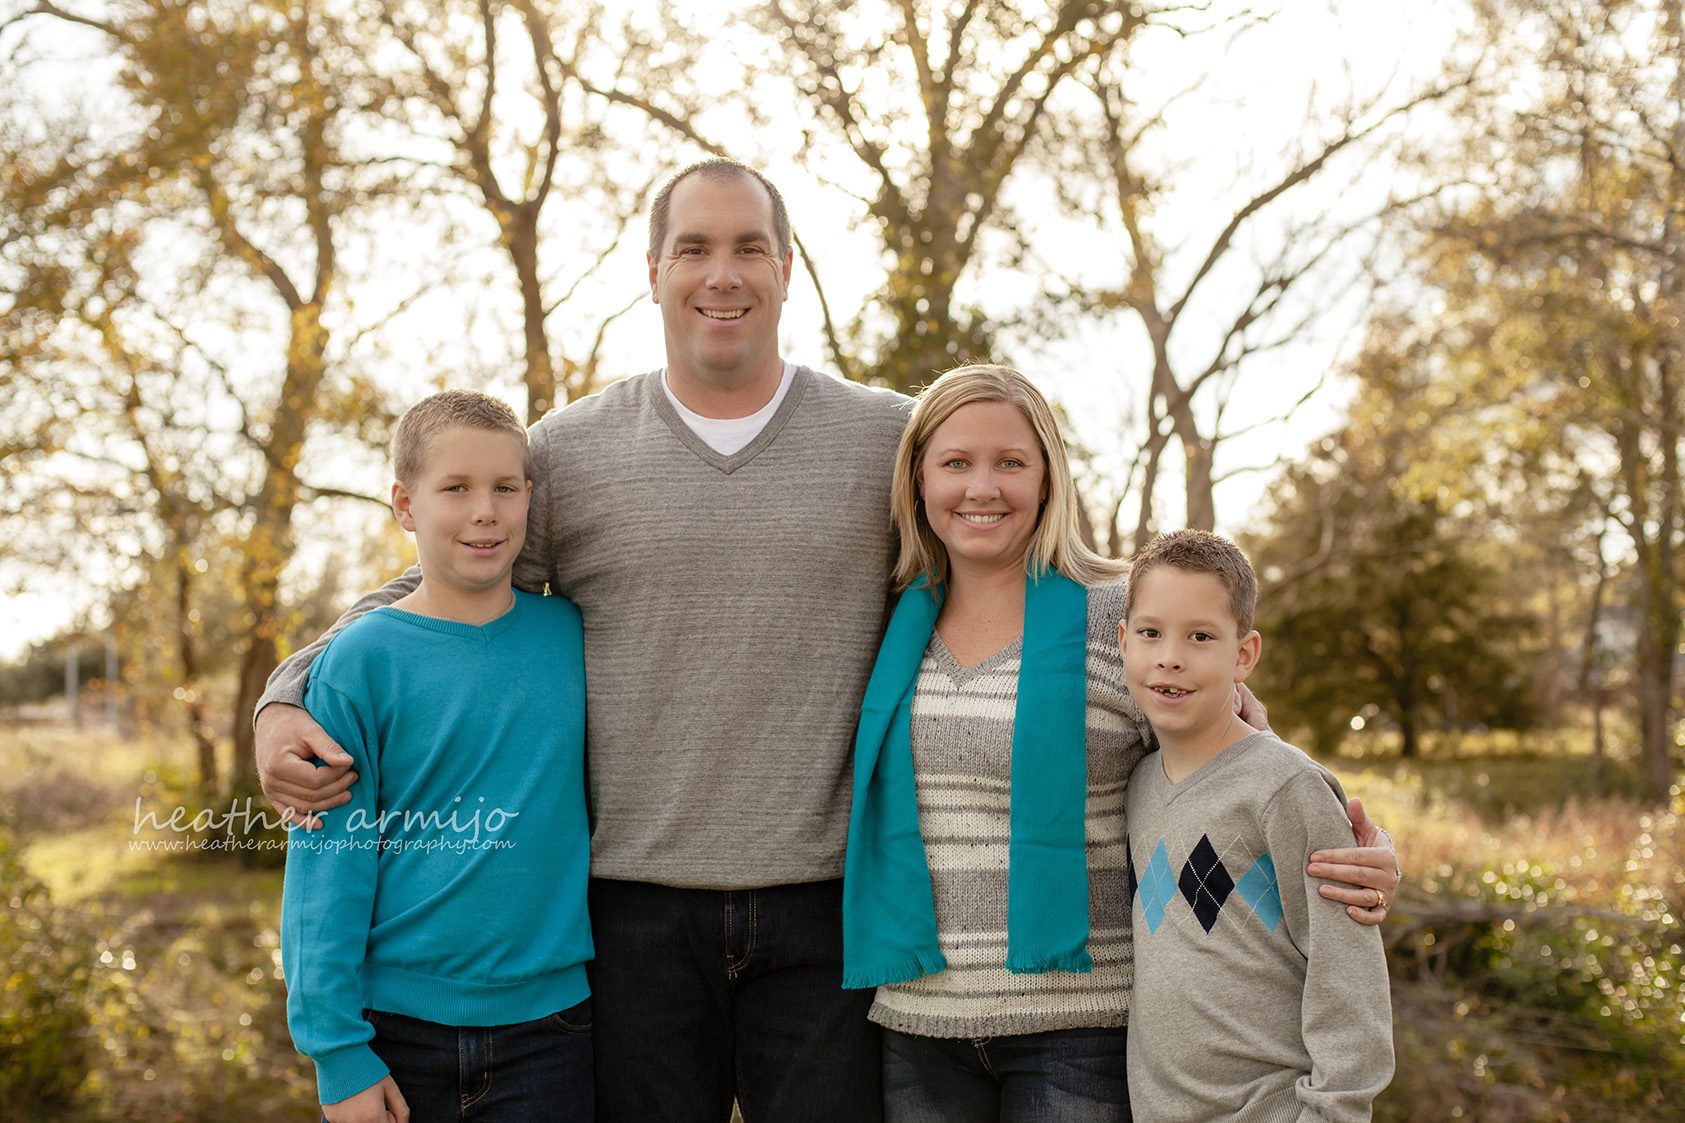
1255,997
434,931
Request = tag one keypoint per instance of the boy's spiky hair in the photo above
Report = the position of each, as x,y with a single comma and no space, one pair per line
445,410
1200,551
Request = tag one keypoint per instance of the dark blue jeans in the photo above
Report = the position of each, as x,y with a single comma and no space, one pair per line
529,1071
1063,1076
703,995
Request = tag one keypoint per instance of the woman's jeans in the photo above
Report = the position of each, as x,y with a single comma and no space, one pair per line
537,1070
1062,1076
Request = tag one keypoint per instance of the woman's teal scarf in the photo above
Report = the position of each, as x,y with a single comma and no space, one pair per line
889,911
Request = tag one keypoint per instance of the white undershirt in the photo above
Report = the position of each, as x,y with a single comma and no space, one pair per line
726,435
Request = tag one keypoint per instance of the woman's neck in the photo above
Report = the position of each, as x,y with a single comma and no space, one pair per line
982,612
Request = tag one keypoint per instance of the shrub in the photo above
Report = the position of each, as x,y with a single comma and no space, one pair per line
45,1037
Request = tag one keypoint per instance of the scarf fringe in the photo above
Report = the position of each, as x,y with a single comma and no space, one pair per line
886,973
1077,962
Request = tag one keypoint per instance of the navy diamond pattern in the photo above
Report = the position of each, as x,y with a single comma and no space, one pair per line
1129,868
1205,882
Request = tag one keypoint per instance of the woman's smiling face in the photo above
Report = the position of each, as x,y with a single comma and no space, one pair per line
983,478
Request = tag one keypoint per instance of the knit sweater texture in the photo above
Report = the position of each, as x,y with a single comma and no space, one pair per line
452,887
1256,999
962,723
733,605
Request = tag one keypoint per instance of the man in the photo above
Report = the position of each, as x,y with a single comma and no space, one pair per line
723,526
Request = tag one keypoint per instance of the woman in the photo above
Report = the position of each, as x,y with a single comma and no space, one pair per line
986,894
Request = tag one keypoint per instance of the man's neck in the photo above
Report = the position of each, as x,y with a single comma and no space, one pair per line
462,606
1182,757
723,395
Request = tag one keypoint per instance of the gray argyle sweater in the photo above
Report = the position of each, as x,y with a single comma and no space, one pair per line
1255,998
732,605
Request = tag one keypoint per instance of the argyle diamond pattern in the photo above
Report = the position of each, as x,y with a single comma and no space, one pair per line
1260,890
1158,887
1205,882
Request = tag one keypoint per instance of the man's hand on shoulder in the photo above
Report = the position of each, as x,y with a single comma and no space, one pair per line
287,742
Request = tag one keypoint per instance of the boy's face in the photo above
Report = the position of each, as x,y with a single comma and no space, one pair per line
1183,652
468,508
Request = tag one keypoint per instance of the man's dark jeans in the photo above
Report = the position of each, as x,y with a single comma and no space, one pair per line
529,1071
704,995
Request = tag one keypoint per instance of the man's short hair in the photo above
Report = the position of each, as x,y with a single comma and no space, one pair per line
450,409
715,167
1200,551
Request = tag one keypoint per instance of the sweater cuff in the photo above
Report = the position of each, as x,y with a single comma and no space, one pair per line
343,1073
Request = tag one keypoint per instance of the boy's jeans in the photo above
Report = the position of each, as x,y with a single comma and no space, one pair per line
532,1070
1062,1076
706,994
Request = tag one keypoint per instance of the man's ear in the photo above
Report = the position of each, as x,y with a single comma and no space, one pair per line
654,286
401,504
1251,647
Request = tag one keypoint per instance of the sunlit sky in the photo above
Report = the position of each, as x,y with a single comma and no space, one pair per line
1249,106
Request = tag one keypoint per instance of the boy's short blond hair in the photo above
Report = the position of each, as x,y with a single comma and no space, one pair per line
446,410
1200,551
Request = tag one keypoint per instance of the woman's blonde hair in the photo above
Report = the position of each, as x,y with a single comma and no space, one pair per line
1056,541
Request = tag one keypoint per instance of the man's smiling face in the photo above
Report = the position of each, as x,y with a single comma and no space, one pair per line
720,280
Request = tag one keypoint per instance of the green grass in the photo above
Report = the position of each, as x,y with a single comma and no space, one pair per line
187,1006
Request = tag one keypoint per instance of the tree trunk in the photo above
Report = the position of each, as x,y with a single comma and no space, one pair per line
270,541
540,376
187,656
1656,645
1202,509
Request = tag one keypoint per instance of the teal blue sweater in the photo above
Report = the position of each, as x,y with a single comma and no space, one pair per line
452,886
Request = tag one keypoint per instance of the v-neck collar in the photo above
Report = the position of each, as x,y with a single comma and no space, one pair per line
962,674
705,452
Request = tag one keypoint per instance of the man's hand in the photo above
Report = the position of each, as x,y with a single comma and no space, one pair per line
287,740
1366,875
378,1103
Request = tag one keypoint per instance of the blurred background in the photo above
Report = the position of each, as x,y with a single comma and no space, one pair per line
1394,294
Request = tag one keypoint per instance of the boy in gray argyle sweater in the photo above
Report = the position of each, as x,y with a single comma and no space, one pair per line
1255,998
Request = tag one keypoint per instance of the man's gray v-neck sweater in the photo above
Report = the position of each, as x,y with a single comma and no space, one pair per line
733,605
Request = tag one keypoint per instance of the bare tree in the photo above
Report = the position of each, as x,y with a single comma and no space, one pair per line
504,83
937,104
1259,306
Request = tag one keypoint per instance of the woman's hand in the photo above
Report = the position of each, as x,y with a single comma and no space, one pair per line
1250,710
1365,876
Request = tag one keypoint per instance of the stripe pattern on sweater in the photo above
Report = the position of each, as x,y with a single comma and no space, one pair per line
962,725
